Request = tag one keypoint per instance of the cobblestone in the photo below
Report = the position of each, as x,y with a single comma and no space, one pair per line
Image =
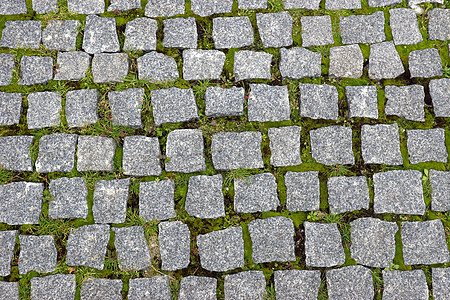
140,34
406,102
110,200
323,245
256,193
351,282
316,31
297,63
285,146
23,34
380,144
157,67
15,153
81,107
232,32
164,8
184,148
10,108
222,102
70,198
141,156
174,245
275,29
404,284
56,153
297,284
35,70
268,103
384,61
156,287
362,29
440,96
425,63
7,244
252,65
318,101
332,145
95,153
100,288
100,35
126,107
249,285
72,65
196,287
202,64
21,202
302,191
7,69
53,287
180,33
440,184
426,145
132,249
37,253
173,105
156,200
348,193
204,197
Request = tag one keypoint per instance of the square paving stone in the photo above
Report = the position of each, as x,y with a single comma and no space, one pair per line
132,248
202,64
110,67
384,61
221,102
441,283
13,7
180,33
9,290
440,187
268,103
86,246
342,4
346,61
302,191
124,5
362,29
380,144
425,63
157,67
426,145
256,193
249,285
61,35
15,154
126,107
323,245
110,200
380,3
37,253
404,27
140,34
205,8
252,65
398,192
10,108
81,107
56,153
285,146
44,110
362,101
174,245
318,101
233,150
72,65
297,284
100,288
373,242
316,31
45,6
439,24
100,35
8,242
275,29
221,250
405,101
164,8
7,69
53,287
405,285
252,4
156,287
173,105
70,198
348,193
21,34
332,145
196,287
272,239
35,70
304,4
440,96
297,63
424,243
204,197
351,282
86,8
156,200
234,32
184,149
141,156
95,153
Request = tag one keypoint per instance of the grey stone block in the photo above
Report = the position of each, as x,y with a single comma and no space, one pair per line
441,283
81,107
426,145
174,245
15,153
297,284
13,7
297,63
100,35
173,105
7,69
351,282
205,8
252,4
86,246
348,193
362,29
380,144
384,61
53,287
140,34
346,61
45,6
56,153
405,101
425,63
21,34
249,285
202,64
398,192
110,67
404,26
156,200
440,187
44,110
332,145
252,65
204,197
268,103
342,4
221,102
362,101
9,290
95,153
405,285
10,108
164,8
61,35
156,287
380,3
440,96
72,65
439,24
285,146
234,32
141,156
196,287
132,248
302,191
373,242
184,149
157,67
124,5
37,253
275,29
126,107
70,198
304,4
35,70
316,31
256,193
221,250
8,242
413,3
86,8
100,288
323,245
180,33
110,200
318,101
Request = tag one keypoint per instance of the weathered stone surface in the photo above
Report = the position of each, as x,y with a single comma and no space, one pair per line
164,8
100,288
204,197
110,200
173,105
69,198
384,61
205,8
323,246
95,153
100,35
221,250
425,63
405,101
304,4
126,107
316,31
252,65
10,290
174,245
221,102
302,191
196,287
13,7
202,64
346,61
140,34
37,253
405,285
7,69
86,8
44,110
441,283
380,3
141,156
156,287
351,282
232,32
54,287
156,200
86,246
81,107
72,65
124,5
157,67
342,4
249,285
318,101
21,34
413,3
180,33
184,150
275,29
35,70
297,63
362,101
404,27
398,192
440,187
362,28
380,144
132,249
440,96
256,193
268,103
297,284
8,242
439,24
15,153
56,153
110,67
285,146
348,193
10,108
252,4
426,145
61,35
332,145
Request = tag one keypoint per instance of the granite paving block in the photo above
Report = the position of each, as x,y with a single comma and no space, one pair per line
204,197
439,24
56,153
348,193
100,288
69,198
8,242
351,282
362,29
173,105
441,283
316,31
398,192
45,6
424,243
297,63
110,67
157,67
180,33
318,101
95,153
275,29
346,61
9,290
61,35
15,154
205,8
140,34
380,144
404,26
256,193
362,101
13,7
272,239
224,102
405,285
413,3
21,34
174,245
252,65
72,65
234,32
440,96
81,107
332,145
86,246
44,110
304,4
252,4
285,146
132,248
384,61
440,190
35,70
86,8
342,4
53,287
10,108
124,5
202,64
221,250
37,253
268,103
156,287
100,35
249,285
425,63
126,107
426,145
297,284
196,287
7,69
302,191
141,156
405,101
164,8
380,3
184,150
323,245
156,200
110,200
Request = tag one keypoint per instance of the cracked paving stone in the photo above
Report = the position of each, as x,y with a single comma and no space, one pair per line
156,287
173,105
8,242
380,144
156,200
184,149
15,153
174,245
126,107
141,156
404,285
351,282
180,33
285,146
297,284
23,34
56,153
248,285
256,193
61,35
70,198
95,153
332,145
100,288
110,200
37,253
10,108
54,287
323,245
348,193
302,191
140,34
204,197
426,145
132,248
